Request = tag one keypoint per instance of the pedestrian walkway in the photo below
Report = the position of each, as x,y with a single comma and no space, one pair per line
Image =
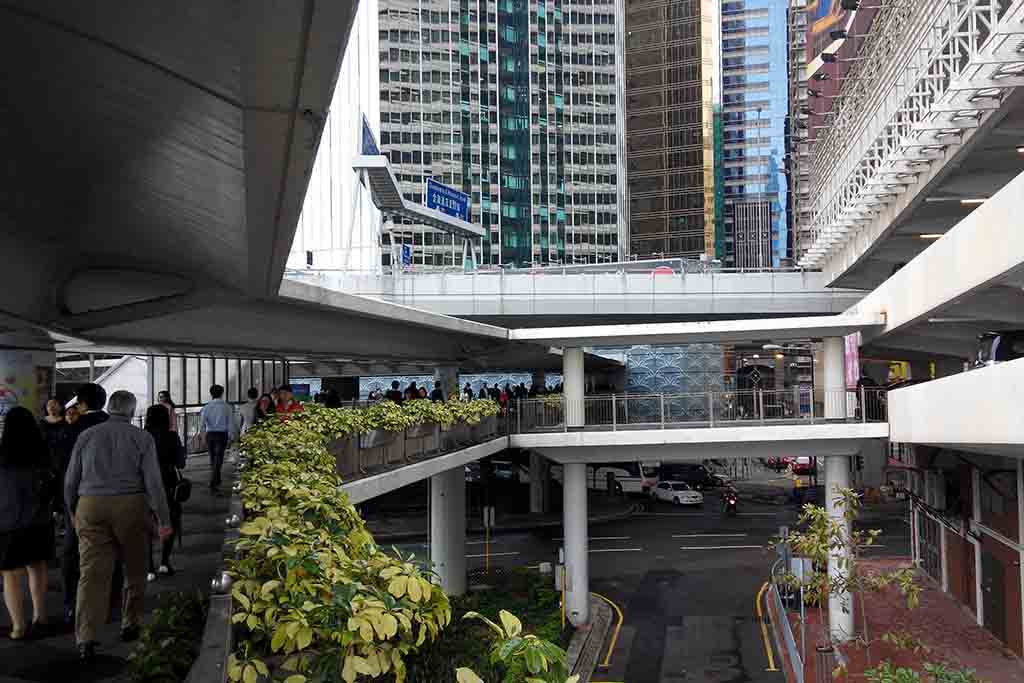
943,628
54,656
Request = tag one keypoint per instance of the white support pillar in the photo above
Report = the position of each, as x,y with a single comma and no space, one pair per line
833,358
572,386
577,571
840,606
540,483
448,529
449,378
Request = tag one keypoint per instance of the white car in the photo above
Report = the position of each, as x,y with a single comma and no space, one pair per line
678,493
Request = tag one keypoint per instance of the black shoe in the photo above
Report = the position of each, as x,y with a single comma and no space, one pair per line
86,652
129,633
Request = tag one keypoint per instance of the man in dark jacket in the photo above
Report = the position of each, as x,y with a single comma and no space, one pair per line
437,394
91,399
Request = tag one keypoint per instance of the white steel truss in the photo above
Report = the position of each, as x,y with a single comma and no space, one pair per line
934,69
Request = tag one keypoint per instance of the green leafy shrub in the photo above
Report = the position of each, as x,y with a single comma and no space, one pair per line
932,673
170,643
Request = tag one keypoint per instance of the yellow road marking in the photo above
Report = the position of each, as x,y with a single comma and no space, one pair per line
764,629
615,633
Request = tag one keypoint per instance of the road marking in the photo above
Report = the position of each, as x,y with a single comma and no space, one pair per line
616,550
721,547
708,535
760,514
615,634
473,557
764,629
599,538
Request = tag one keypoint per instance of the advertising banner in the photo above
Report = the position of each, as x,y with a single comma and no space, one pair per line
25,380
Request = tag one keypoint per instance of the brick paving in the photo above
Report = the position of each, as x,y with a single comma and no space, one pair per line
946,630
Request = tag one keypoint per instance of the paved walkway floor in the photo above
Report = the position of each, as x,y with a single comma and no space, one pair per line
54,656
946,630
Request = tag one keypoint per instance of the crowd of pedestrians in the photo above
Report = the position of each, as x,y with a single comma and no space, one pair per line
117,490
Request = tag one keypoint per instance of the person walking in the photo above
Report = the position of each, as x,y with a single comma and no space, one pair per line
437,394
216,421
468,391
264,408
394,395
113,481
286,402
164,399
248,410
89,401
27,489
57,435
170,454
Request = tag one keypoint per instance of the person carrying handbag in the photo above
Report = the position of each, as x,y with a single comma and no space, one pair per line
171,457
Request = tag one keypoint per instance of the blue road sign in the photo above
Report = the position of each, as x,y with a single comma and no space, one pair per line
447,200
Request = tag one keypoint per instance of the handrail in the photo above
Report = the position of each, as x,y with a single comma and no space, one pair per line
624,412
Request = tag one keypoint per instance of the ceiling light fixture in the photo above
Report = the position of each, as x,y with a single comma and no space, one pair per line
930,236
974,201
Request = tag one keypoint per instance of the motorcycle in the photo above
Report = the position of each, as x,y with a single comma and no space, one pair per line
729,501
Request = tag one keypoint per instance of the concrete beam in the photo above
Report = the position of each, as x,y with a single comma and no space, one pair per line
774,329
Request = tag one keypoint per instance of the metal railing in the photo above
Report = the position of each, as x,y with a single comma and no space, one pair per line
620,412
378,451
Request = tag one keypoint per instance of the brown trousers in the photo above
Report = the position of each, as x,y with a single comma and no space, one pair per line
108,527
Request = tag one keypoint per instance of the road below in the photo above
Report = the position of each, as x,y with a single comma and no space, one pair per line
686,581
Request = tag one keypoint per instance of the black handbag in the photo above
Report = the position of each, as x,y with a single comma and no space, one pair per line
182,489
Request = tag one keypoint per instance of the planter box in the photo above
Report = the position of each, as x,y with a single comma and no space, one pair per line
376,438
486,427
421,431
346,456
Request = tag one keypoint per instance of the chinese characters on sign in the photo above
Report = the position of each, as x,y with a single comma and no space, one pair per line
447,200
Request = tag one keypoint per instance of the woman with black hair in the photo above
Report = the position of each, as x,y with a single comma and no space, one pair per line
27,488
170,454
265,407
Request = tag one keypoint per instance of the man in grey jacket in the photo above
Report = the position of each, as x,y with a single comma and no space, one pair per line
112,483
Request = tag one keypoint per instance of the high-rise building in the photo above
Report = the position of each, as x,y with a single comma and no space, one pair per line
671,65
518,103
755,106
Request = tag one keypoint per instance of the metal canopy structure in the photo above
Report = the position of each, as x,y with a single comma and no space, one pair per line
388,198
936,77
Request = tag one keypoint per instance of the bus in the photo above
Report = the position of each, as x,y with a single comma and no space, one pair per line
631,476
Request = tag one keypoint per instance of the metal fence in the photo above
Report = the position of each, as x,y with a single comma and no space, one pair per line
709,409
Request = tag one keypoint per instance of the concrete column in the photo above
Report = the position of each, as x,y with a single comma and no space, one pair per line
840,606
572,386
540,485
27,362
448,529
449,378
833,354
577,571
539,379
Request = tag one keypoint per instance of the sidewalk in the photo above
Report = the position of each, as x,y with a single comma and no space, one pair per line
55,658
947,632
405,527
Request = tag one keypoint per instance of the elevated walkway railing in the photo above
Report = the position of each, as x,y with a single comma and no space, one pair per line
381,450
615,412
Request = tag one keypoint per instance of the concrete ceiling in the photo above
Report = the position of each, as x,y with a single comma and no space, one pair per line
154,151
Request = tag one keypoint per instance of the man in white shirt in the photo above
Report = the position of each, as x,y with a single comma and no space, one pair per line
217,421
249,410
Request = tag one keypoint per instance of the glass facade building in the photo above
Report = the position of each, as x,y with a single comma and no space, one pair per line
755,108
518,103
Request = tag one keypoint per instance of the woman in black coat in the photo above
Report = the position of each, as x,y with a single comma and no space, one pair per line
171,455
27,488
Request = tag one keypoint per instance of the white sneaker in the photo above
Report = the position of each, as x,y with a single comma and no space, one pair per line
150,577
